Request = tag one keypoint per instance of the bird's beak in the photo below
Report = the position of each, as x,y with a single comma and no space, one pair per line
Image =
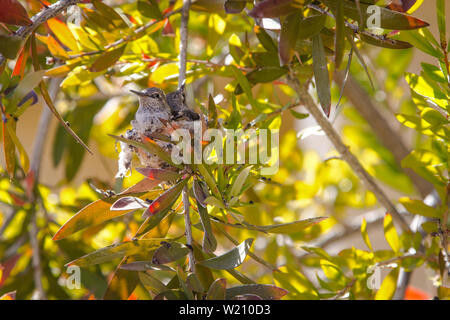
138,93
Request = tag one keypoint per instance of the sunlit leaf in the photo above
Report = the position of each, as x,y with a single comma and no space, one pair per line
265,291
390,233
231,259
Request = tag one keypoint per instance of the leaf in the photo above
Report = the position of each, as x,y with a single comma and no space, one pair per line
209,241
63,33
159,174
339,43
389,19
390,233
292,227
144,266
114,251
265,291
24,160
165,201
311,26
30,81
10,46
149,9
231,259
9,149
55,48
265,39
217,290
365,235
299,115
234,6
208,178
93,214
110,13
383,42
272,8
107,59
212,112
321,74
288,37
420,208
388,286
14,13
122,284
142,186
169,252
239,182
129,203
151,283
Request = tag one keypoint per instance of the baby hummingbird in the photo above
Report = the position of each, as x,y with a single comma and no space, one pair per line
178,107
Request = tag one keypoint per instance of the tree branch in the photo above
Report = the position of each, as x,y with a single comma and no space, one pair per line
38,19
349,157
181,80
387,135
35,166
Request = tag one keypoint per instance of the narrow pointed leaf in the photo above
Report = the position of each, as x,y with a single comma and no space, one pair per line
209,241
321,74
144,266
272,8
169,252
217,290
390,233
63,33
14,13
365,235
107,59
159,174
165,201
115,251
292,227
129,203
231,259
265,291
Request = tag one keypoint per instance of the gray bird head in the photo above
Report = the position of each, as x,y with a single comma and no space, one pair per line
177,100
152,98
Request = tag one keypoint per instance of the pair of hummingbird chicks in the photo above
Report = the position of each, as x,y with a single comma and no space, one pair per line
158,114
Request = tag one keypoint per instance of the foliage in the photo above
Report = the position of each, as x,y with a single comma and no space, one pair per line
129,236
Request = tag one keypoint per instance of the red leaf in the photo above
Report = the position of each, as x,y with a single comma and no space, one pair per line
21,62
168,30
272,8
14,13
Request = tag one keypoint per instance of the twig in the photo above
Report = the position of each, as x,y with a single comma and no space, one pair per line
35,166
181,80
380,126
46,14
127,38
349,157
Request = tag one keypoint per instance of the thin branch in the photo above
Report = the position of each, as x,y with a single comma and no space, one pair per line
349,157
38,19
380,126
133,36
181,80
35,166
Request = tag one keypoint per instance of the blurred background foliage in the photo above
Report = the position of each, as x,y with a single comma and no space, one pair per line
235,61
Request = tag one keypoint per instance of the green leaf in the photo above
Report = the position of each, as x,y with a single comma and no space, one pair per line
144,266
265,39
209,241
299,115
388,286
10,46
311,26
288,37
151,283
166,200
93,214
265,291
231,259
419,208
217,290
112,15
440,4
114,251
28,83
339,43
234,6
107,59
149,9
169,252
239,182
321,74
390,233
389,19
292,227
365,235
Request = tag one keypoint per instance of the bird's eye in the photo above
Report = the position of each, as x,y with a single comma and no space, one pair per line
155,96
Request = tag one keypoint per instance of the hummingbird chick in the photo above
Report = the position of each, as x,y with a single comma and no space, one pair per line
182,115
152,117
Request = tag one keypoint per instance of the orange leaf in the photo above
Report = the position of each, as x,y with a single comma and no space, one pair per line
415,294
